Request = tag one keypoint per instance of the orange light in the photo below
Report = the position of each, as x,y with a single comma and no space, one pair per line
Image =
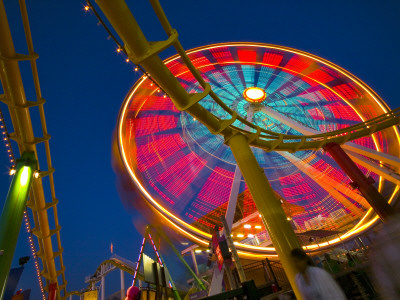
118,49
127,60
257,227
87,7
240,235
247,226
254,94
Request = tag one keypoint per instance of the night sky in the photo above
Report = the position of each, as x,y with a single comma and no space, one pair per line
85,81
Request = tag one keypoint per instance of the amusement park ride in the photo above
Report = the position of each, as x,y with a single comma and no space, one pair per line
317,148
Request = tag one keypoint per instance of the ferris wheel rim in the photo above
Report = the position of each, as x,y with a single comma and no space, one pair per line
198,235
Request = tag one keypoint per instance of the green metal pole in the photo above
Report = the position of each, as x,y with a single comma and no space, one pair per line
177,253
12,214
174,290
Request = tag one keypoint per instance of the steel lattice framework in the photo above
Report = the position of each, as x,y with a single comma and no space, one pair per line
42,201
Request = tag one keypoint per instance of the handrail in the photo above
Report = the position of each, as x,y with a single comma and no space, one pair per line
120,265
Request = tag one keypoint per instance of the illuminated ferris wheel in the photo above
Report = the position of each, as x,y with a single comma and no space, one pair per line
187,174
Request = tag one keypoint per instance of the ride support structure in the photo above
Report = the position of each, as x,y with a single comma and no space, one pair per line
140,50
361,182
48,239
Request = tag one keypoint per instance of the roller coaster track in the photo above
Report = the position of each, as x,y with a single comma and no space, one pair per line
144,53
19,108
111,264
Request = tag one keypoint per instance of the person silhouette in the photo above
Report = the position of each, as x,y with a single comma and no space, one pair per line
314,283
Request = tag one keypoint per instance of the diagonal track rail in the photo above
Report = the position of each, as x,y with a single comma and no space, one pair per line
48,239
145,55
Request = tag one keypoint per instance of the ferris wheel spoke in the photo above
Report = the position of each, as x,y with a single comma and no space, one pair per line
332,187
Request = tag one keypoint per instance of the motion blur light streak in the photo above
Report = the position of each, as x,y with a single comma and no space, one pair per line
186,173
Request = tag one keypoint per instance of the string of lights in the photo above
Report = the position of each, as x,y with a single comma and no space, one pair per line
11,157
7,144
138,261
120,48
33,250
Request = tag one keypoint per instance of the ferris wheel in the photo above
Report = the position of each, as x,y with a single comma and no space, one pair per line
188,174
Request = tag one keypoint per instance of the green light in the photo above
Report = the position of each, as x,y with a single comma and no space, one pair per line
24,176
13,212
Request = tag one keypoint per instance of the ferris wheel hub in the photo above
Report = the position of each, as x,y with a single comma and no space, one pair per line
254,94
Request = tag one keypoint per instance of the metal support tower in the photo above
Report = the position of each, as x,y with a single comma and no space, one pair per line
13,211
272,214
19,108
360,181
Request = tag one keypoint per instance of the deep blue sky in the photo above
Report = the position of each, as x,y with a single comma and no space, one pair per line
84,82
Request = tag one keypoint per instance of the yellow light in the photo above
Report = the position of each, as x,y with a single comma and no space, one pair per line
127,60
289,218
254,95
197,251
257,227
12,171
136,69
87,7
118,49
24,176
247,226
240,235
36,174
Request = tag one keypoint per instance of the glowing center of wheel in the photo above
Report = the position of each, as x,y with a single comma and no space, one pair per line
254,94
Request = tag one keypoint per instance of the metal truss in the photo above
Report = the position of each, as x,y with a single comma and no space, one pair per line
48,239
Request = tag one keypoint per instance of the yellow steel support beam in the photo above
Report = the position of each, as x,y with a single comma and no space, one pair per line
18,105
137,46
269,206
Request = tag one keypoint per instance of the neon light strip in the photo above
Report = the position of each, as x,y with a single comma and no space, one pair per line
155,249
138,262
